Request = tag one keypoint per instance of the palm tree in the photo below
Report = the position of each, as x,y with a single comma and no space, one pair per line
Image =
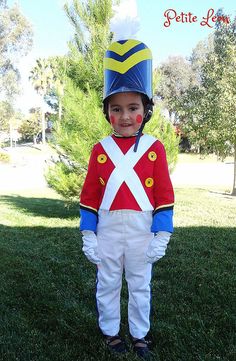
58,65
41,77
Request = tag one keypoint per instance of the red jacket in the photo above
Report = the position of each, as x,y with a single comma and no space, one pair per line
152,170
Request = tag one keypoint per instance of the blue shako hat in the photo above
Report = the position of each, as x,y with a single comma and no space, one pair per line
128,68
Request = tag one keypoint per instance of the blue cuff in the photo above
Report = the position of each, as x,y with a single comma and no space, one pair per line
88,220
163,221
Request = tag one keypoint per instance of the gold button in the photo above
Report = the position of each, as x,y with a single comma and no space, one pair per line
101,181
102,158
149,182
152,156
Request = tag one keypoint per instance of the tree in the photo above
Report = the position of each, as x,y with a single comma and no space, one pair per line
211,106
83,122
75,135
199,57
55,94
6,112
29,127
164,130
91,20
176,76
41,77
15,42
227,100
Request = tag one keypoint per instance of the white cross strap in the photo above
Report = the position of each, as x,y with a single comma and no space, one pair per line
124,172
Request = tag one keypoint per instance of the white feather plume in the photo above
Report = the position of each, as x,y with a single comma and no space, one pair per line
125,23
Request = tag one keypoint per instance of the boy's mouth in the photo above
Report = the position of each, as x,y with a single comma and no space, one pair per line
125,125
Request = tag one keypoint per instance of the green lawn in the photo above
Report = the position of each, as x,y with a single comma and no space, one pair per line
199,158
47,287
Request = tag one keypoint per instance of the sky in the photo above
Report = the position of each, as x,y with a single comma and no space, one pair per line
167,27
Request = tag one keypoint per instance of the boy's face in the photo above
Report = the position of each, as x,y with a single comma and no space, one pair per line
126,112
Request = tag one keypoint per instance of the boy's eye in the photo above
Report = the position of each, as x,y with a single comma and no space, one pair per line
133,109
116,109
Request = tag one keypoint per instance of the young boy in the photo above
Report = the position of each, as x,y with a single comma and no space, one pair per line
127,198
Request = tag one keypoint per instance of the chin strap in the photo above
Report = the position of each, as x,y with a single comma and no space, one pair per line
146,118
139,136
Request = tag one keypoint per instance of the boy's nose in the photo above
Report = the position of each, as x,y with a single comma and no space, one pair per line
125,114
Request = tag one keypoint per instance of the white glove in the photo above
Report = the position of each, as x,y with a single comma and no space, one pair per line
90,246
157,246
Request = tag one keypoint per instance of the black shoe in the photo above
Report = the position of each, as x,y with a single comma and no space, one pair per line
141,349
116,344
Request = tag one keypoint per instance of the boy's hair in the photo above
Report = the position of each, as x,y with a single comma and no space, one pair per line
147,104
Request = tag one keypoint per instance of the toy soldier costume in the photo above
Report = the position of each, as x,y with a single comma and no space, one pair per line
127,199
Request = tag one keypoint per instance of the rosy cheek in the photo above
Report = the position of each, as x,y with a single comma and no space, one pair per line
139,118
112,119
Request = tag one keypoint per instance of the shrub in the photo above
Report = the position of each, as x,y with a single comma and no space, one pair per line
4,157
163,130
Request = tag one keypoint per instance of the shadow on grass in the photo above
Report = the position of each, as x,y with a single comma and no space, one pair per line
44,207
225,194
47,290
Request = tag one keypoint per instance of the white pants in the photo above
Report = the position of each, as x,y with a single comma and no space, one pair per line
123,239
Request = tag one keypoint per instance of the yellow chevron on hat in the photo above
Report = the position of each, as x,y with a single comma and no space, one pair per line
123,66
121,49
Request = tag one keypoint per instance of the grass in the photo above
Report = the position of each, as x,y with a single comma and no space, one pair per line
47,287
199,158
